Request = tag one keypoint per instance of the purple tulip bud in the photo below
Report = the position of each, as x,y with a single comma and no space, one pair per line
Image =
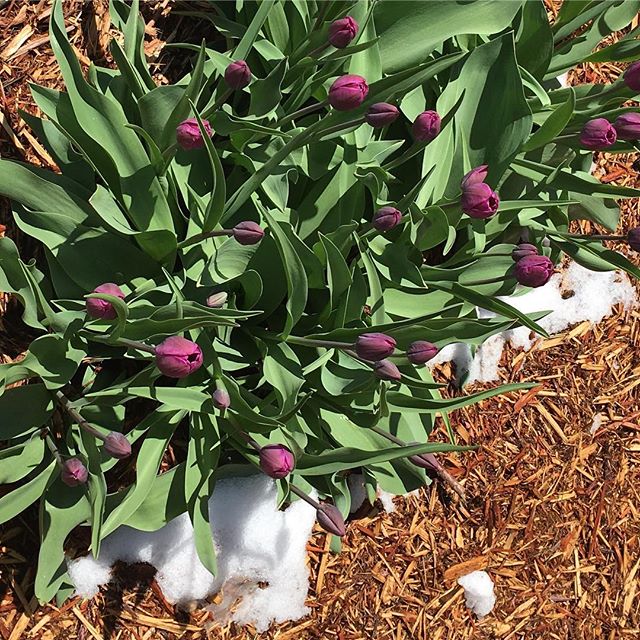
217,300
237,75
533,271
627,126
188,134
479,200
633,238
342,32
97,308
276,461
374,346
426,126
177,357
475,176
248,232
598,134
386,370
631,76
117,445
386,218
330,519
381,114
523,250
221,399
74,472
421,351
426,461
348,92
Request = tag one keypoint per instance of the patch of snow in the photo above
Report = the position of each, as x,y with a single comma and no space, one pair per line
478,592
563,79
387,500
588,296
596,424
255,543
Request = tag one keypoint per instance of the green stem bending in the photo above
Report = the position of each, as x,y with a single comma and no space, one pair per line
134,344
356,122
300,113
487,281
326,344
301,494
76,417
199,237
217,104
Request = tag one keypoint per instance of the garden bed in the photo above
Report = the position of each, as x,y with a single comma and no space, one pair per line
552,508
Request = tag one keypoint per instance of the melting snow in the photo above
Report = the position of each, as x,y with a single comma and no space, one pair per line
478,592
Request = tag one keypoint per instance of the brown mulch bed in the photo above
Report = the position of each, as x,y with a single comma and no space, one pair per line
552,510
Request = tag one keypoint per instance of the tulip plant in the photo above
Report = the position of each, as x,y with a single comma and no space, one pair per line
247,271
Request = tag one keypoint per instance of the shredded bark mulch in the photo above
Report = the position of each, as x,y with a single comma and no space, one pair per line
552,508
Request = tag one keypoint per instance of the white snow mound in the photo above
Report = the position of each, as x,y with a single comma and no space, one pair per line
588,296
255,543
478,592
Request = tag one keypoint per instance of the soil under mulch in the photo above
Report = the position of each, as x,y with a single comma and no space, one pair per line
552,509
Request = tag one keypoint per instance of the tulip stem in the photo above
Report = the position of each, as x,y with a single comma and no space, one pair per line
134,344
217,104
598,236
326,344
77,418
199,237
412,151
487,281
301,494
52,447
300,113
318,50
339,127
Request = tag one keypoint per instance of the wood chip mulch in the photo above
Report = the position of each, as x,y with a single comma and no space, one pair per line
553,507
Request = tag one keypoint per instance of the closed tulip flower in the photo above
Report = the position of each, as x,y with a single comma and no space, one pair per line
598,134
117,445
475,176
633,238
97,308
342,32
627,126
276,461
479,200
237,75
426,126
348,92
523,250
386,370
217,300
374,346
248,232
221,399
188,134
330,519
386,218
381,114
426,461
421,351
533,271
74,473
177,357
631,76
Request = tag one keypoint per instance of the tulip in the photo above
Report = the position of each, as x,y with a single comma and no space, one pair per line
342,32
330,519
189,136
74,472
276,461
479,200
221,399
426,461
374,346
237,75
386,370
426,126
533,271
421,351
475,176
381,114
217,300
97,308
598,134
386,218
627,126
248,232
117,446
522,250
633,238
177,357
631,76
348,92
